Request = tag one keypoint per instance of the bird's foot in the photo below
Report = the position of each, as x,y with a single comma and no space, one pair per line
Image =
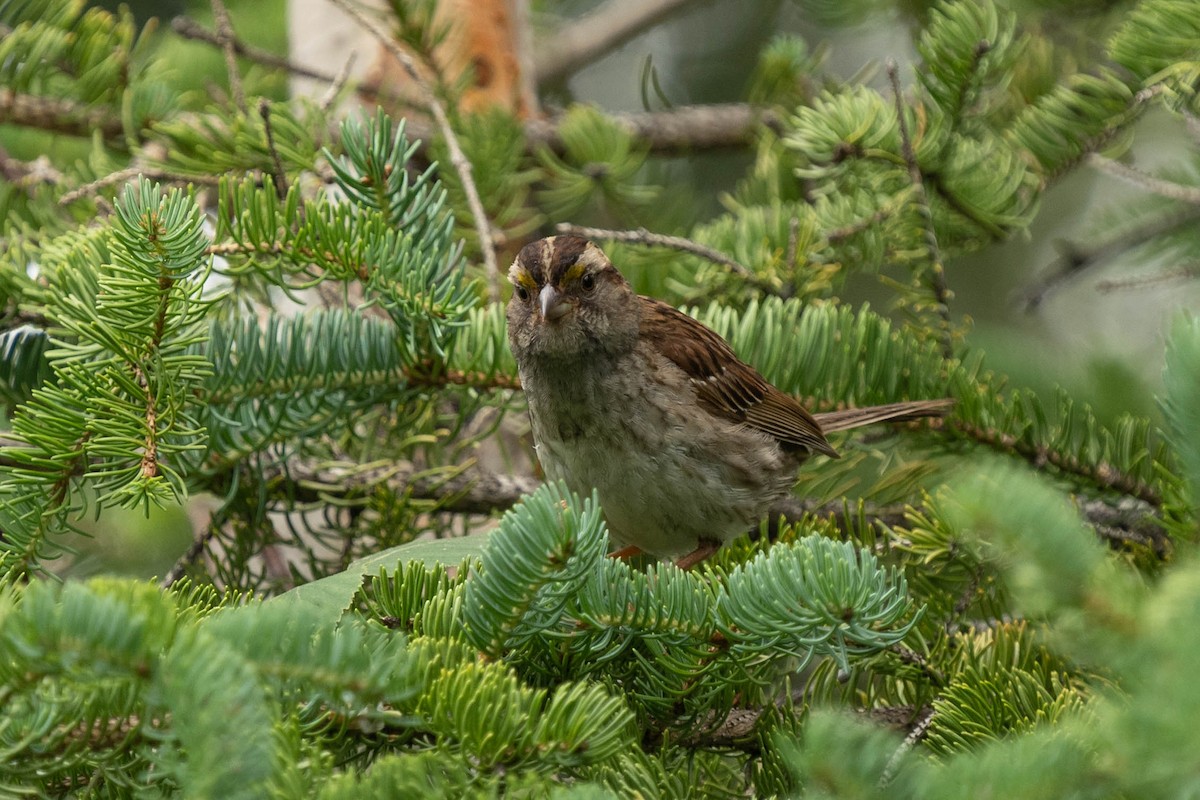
707,548
626,553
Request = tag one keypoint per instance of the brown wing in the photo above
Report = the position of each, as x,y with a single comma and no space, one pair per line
724,384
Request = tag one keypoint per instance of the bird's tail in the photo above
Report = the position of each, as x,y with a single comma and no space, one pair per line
845,419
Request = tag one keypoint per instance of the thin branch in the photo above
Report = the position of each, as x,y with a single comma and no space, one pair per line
643,236
793,244
420,376
278,177
474,491
982,48
129,173
586,39
937,278
1076,259
226,37
339,83
1158,186
1103,475
457,158
60,116
1137,106
1148,281
28,174
189,29
854,228
909,656
684,128
699,127
1128,522
194,552
910,741
468,491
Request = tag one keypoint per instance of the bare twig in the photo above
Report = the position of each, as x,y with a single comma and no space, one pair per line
190,557
580,42
27,174
278,177
699,127
1158,186
910,741
1076,260
59,116
1191,124
226,37
853,229
472,491
1148,281
129,173
339,83
937,278
457,158
703,127
465,492
793,244
909,656
525,52
643,236
189,29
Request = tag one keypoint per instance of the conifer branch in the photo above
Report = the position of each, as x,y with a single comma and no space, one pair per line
582,41
937,274
226,38
1186,273
60,116
468,490
278,176
1107,134
1076,259
645,237
684,128
458,159
840,234
190,29
339,83
915,735
1103,475
122,176
26,175
1149,183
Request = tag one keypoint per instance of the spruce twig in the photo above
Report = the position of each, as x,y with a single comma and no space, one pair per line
937,274
458,159
643,236
278,177
226,37
1148,281
129,173
1076,259
190,29
1149,183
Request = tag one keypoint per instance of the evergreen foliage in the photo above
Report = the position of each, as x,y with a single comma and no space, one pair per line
284,315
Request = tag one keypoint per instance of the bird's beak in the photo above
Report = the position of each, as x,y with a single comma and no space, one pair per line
552,304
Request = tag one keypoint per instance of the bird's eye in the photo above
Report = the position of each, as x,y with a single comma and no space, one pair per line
522,293
588,282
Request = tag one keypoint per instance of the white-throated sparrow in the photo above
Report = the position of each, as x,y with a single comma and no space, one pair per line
686,445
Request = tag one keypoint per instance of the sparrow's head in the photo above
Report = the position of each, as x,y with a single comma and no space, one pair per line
569,301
